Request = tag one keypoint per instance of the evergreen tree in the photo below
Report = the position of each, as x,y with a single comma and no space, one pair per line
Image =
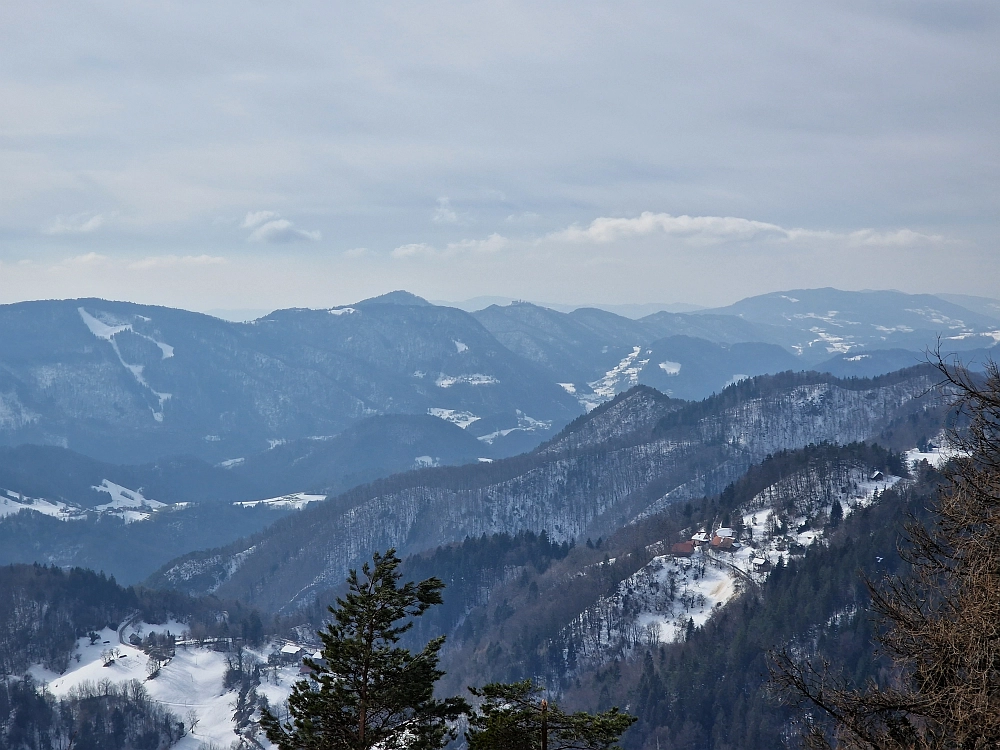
836,514
515,717
367,691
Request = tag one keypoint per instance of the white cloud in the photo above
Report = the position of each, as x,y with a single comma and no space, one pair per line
491,244
444,213
607,229
280,231
171,261
269,227
899,238
719,229
82,223
256,218
414,249
87,259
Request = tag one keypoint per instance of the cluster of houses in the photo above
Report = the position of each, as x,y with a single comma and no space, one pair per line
723,540
291,653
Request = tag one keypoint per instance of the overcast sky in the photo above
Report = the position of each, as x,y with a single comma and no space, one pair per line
272,154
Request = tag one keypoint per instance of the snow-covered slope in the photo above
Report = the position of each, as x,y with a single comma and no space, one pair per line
584,489
676,592
190,684
129,505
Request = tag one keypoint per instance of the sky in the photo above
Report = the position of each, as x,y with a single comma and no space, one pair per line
257,154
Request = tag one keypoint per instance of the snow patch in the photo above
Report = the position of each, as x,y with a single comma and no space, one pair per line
936,317
231,463
295,500
425,462
834,344
671,368
447,381
341,311
936,457
130,505
568,387
995,335
461,418
459,346
654,605
894,329
524,424
107,332
622,377
15,502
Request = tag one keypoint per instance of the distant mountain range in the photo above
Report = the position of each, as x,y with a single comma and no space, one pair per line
595,354
819,322
624,461
131,383
183,407
633,310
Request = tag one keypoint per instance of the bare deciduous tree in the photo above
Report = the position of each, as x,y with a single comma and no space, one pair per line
941,622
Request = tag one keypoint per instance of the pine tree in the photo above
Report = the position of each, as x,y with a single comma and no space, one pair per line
515,717
367,691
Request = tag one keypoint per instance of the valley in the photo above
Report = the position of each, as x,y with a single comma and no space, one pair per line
606,499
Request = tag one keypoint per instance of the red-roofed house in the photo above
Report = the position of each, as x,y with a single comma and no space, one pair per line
683,549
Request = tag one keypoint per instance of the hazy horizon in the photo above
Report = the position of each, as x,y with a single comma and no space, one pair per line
232,156
634,310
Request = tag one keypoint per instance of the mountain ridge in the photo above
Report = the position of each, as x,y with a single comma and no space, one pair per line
561,492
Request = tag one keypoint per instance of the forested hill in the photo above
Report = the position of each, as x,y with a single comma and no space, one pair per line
617,620
712,690
129,383
44,610
628,461
577,619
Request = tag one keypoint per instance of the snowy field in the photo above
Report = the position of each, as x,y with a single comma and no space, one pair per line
189,685
14,502
461,418
936,457
524,424
296,501
129,505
